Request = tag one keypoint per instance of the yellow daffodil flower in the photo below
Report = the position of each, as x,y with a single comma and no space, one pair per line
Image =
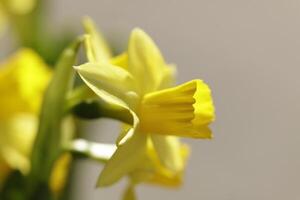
23,80
140,81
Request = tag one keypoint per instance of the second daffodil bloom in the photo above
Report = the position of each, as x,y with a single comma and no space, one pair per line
23,80
140,81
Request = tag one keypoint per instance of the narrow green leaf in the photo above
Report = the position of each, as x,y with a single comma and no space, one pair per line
47,145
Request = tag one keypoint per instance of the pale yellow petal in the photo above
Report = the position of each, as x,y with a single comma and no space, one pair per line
125,159
16,139
23,80
120,60
113,85
168,150
165,177
145,61
152,171
105,77
96,46
168,77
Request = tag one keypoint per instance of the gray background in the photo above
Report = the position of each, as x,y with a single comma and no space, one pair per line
248,52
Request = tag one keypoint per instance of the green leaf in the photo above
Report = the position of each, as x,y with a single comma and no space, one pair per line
47,145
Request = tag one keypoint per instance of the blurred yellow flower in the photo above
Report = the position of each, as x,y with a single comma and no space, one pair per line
140,81
23,80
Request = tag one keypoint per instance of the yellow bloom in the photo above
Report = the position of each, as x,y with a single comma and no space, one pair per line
140,81
23,80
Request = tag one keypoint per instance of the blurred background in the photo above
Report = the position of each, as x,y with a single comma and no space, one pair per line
248,52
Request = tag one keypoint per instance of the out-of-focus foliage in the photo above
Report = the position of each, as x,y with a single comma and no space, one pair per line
24,78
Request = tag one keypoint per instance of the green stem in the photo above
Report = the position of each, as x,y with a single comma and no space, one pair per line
86,104
78,95
96,151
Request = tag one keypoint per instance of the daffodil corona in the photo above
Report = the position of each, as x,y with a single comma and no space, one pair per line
140,81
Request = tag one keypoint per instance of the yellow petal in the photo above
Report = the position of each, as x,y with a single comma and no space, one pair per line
96,46
168,77
185,110
152,171
165,177
145,61
120,61
23,79
104,77
113,85
124,160
16,138
168,150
